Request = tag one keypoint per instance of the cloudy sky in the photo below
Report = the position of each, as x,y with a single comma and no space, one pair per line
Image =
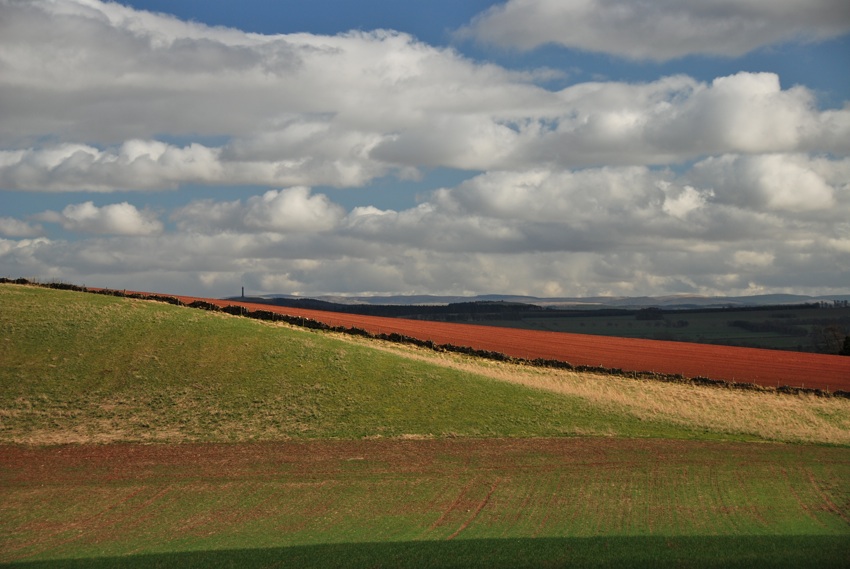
542,147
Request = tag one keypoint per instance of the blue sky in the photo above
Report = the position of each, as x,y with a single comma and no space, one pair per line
543,147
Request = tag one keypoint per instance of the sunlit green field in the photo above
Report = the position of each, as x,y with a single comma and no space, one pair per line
476,503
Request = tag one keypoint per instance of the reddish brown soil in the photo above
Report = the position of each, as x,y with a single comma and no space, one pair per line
771,368
84,464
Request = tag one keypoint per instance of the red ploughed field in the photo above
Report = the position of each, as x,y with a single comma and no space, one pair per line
771,368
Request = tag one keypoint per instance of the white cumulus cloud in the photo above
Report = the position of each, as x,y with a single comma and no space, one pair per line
663,122
136,164
291,210
677,118
12,227
96,96
290,109
660,29
773,182
113,219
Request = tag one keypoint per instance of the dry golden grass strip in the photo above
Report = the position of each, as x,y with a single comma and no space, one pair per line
767,415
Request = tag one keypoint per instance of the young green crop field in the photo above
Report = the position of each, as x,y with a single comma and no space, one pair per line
140,434
440,503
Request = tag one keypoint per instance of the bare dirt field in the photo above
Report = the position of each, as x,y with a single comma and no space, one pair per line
770,368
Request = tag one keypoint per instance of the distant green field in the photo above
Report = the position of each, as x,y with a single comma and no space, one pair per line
798,328
282,447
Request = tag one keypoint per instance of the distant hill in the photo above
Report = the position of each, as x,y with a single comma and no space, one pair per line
776,321
670,302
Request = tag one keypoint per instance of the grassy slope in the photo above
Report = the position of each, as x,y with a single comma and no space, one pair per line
80,367
77,367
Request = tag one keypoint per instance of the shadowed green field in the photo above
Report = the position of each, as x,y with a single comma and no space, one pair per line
784,328
707,551
280,447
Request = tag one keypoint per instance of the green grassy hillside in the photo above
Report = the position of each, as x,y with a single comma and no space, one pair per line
81,367
78,367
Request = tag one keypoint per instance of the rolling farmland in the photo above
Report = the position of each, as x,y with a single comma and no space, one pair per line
141,434
770,368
